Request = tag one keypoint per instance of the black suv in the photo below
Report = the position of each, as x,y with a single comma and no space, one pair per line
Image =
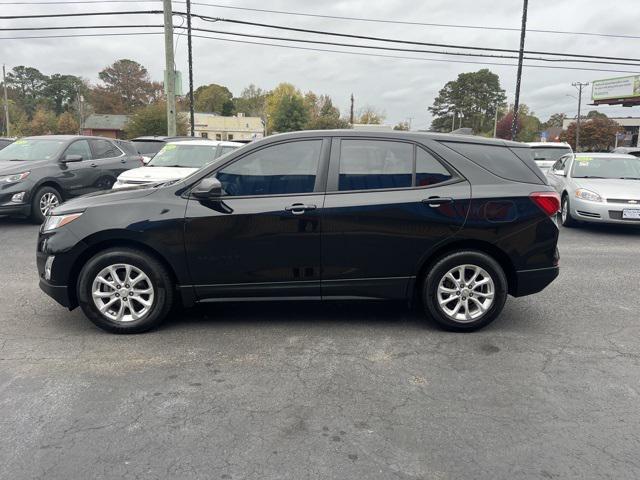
39,173
456,222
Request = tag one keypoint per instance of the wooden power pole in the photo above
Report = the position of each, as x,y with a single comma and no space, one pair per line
170,75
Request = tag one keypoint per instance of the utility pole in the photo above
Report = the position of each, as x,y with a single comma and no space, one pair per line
190,55
516,104
170,76
6,103
579,86
80,110
453,122
495,123
351,111
410,121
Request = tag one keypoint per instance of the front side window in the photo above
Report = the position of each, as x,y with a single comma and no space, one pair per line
375,164
104,149
285,168
80,147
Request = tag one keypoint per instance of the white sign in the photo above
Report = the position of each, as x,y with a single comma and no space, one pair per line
613,88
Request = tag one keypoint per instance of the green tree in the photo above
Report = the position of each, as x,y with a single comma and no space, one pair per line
274,98
27,85
43,123
555,120
290,115
214,98
596,114
251,102
127,87
63,90
152,120
322,114
370,115
475,95
67,124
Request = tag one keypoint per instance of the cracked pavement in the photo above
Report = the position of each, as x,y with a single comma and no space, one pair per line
338,391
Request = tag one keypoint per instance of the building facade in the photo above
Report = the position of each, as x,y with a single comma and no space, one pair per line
236,128
102,125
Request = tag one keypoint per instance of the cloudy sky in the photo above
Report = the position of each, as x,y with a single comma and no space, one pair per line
402,87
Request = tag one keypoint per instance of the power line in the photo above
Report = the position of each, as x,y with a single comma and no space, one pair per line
322,42
339,17
439,60
320,32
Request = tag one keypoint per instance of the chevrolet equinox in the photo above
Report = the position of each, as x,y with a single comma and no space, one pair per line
456,223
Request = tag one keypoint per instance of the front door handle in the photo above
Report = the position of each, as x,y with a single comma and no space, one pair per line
94,165
299,208
435,202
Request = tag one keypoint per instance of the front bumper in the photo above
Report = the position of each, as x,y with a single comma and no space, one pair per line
601,212
15,209
60,293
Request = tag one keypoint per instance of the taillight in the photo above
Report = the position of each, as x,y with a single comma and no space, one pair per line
549,202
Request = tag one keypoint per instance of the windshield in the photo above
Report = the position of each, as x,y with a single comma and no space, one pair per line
190,156
27,149
549,153
148,147
606,167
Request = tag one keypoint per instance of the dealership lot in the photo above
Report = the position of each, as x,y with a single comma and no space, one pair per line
549,390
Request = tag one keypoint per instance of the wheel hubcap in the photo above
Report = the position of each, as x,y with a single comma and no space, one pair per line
466,293
122,292
48,201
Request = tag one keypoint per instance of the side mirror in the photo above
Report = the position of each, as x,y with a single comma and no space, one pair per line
145,159
209,188
71,158
560,173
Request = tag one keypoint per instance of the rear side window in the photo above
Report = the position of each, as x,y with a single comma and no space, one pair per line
127,147
148,147
500,161
375,164
429,171
104,149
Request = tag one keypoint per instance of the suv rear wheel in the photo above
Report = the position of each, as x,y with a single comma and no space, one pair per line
125,291
465,290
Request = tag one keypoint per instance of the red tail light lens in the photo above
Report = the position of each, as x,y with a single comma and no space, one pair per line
549,202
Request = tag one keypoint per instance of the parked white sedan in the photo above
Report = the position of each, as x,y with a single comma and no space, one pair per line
176,160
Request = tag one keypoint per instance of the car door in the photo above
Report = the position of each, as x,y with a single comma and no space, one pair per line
77,178
388,204
263,239
109,162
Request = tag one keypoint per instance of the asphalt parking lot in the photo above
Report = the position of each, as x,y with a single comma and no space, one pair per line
339,391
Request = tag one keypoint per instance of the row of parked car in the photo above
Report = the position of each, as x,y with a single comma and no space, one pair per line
39,173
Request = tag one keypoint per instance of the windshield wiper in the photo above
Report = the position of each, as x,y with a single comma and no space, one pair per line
589,176
629,178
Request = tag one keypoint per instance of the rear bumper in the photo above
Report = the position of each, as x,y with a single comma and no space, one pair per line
60,293
534,281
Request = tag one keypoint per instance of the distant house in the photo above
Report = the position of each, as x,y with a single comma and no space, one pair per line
101,125
238,127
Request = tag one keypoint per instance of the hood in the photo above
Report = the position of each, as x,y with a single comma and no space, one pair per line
155,174
7,167
611,188
105,197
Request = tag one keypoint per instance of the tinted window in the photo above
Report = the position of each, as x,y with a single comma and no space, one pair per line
428,170
226,149
4,143
80,147
127,147
500,161
148,147
374,164
104,149
285,168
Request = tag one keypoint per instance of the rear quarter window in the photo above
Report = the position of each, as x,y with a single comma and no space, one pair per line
500,161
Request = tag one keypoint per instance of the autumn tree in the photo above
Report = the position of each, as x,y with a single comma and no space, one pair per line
152,120
127,87
214,98
402,126
370,115
67,124
555,120
596,135
475,95
322,114
43,123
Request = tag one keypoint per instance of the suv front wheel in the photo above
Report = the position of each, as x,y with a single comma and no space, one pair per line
465,291
124,290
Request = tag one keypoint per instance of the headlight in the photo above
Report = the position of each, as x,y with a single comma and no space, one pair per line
57,221
588,195
16,177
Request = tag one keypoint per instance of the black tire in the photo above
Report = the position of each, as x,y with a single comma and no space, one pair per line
471,259
160,280
566,219
37,215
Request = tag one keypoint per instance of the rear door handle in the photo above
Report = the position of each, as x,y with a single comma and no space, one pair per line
94,165
299,208
435,202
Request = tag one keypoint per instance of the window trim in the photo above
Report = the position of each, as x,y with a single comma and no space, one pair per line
334,167
318,186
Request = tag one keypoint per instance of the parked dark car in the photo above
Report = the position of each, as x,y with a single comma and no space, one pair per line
39,173
456,222
5,141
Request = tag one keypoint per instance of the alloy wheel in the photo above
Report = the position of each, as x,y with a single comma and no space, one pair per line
122,293
466,293
48,201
